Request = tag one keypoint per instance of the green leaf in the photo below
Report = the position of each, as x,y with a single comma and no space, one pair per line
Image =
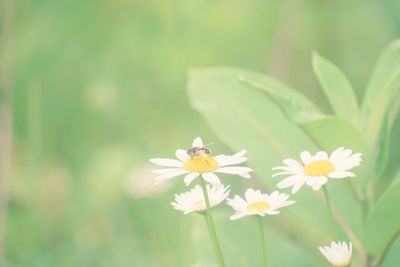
244,118
332,132
293,104
337,88
393,256
381,89
383,146
383,222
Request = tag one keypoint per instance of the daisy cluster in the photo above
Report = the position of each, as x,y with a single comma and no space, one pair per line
311,170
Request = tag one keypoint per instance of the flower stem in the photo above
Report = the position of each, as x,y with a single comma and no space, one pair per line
329,205
211,226
263,245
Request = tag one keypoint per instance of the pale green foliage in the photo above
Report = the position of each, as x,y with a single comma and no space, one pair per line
337,88
380,90
383,221
254,111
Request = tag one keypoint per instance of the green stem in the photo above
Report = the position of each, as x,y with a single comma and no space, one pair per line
263,245
211,226
329,205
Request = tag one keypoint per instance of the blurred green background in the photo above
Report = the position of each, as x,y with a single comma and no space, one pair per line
100,87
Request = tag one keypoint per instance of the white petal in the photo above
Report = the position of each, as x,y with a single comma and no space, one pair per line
211,178
167,176
297,168
166,171
240,153
279,200
335,156
237,203
197,142
317,182
339,174
285,172
167,162
291,162
297,187
252,195
291,180
190,177
272,212
337,254
322,155
237,216
237,158
346,153
280,168
274,195
234,170
342,156
220,157
244,175
323,251
351,162
181,155
305,157
229,161
288,203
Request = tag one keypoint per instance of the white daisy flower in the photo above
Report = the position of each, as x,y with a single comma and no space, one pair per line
197,161
193,200
338,254
257,203
315,170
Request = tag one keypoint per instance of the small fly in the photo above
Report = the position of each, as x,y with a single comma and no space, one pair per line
198,151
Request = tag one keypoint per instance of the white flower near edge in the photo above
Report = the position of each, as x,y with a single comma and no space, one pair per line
203,164
315,170
193,200
257,203
338,253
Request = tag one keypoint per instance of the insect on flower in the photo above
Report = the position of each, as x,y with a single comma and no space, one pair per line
197,161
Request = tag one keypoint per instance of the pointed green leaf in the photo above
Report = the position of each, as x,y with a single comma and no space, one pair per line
393,256
337,89
381,89
294,105
383,147
383,222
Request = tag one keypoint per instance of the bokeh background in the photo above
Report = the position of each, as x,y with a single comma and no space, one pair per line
99,87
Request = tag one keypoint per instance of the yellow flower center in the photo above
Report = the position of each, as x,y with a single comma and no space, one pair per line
319,168
201,164
199,204
345,264
259,206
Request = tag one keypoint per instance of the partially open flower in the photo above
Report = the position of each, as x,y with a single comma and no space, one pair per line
193,200
257,203
338,254
315,170
198,160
